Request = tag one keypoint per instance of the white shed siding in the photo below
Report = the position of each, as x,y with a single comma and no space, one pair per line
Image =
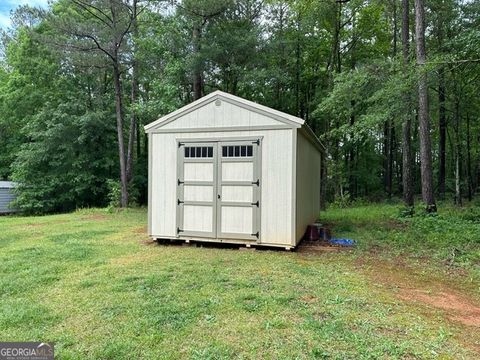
276,180
307,184
225,114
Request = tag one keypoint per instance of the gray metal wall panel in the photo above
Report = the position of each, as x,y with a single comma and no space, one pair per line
6,197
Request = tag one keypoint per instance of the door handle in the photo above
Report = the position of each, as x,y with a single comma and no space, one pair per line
218,196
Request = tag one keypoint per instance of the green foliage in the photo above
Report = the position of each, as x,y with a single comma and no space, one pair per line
114,193
60,167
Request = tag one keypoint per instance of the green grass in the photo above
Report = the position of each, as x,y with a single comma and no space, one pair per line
92,283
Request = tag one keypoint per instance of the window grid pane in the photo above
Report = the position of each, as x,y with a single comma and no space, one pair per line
237,151
198,152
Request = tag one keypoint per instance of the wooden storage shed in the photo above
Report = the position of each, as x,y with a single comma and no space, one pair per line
226,169
6,197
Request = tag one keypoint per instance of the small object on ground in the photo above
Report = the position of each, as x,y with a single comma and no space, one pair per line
324,233
342,242
312,233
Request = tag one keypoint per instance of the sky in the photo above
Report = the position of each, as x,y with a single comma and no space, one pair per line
7,5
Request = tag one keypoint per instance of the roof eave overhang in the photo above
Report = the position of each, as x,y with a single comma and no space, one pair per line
313,138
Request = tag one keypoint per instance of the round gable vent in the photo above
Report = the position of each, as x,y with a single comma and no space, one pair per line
218,102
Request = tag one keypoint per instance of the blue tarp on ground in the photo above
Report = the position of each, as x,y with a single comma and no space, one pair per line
342,242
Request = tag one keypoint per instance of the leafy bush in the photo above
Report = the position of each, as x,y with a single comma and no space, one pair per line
115,194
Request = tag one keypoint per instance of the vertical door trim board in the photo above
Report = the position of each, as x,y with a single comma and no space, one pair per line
150,179
179,175
258,169
294,188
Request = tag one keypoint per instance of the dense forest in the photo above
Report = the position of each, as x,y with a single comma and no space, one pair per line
391,88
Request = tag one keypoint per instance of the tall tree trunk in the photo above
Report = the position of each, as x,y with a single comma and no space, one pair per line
442,120
197,69
121,144
458,150
133,121
423,116
469,161
442,126
477,177
352,184
407,164
334,65
352,180
389,131
298,70
387,157
395,29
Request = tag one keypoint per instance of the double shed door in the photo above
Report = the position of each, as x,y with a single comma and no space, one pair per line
218,189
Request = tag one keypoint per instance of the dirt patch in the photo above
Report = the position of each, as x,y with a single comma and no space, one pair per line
318,247
432,291
308,298
96,217
148,242
457,307
141,230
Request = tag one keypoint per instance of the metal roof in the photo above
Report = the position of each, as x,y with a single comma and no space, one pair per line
7,185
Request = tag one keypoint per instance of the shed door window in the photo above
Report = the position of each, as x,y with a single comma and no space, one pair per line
199,151
241,151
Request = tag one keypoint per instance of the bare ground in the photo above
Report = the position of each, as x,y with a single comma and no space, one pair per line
446,296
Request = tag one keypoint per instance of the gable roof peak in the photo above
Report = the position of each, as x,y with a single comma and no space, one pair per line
235,100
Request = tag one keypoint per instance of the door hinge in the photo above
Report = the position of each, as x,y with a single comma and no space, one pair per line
256,203
179,230
179,202
180,182
256,182
256,142
257,234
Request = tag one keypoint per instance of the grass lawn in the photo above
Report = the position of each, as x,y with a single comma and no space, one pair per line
95,285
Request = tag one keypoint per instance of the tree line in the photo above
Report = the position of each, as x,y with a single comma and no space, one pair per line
391,87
